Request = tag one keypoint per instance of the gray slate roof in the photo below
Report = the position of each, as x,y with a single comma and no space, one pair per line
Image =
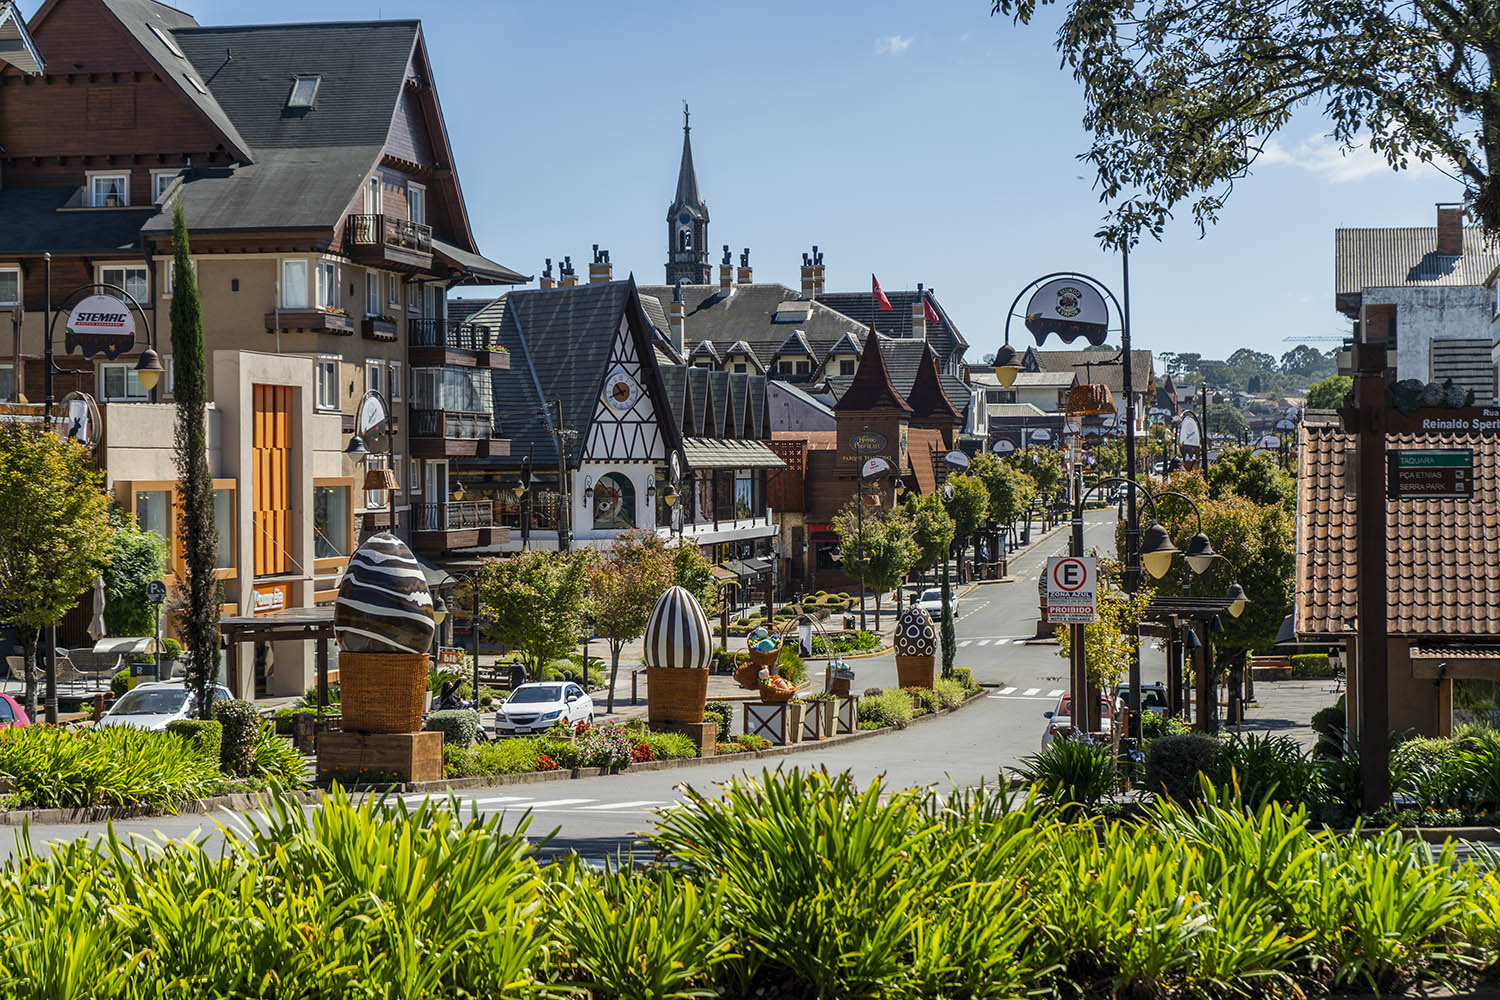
30,223
282,189
748,314
896,321
137,16
362,65
1405,256
1113,375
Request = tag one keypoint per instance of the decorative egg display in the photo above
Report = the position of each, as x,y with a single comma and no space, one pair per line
677,633
915,635
383,604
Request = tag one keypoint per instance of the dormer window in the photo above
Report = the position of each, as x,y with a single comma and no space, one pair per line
109,190
304,92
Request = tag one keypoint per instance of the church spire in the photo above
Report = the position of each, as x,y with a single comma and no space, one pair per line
687,220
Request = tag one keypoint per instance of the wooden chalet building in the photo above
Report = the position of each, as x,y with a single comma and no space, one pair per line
313,165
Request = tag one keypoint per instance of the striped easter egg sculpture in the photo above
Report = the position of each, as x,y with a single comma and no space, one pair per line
383,604
678,650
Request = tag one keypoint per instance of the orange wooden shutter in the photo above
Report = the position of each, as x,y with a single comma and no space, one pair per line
270,518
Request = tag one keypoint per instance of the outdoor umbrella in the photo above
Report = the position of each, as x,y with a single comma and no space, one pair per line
96,625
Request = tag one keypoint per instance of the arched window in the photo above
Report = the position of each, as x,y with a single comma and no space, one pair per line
684,239
614,503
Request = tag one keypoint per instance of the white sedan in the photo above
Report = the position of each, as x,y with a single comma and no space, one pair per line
931,601
540,705
152,706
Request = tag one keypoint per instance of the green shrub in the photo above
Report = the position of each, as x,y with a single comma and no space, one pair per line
1265,767
171,649
1329,724
950,692
790,665
240,722
964,676
667,746
274,759
51,768
458,725
1309,665
922,698
514,756
752,741
119,682
721,712
206,737
1173,764
888,708
1155,725
1072,771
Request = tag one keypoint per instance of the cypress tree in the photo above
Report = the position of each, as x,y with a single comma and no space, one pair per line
196,531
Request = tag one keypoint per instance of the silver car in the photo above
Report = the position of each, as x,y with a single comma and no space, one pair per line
931,601
152,706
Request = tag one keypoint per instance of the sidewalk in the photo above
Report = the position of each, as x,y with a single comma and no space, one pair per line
1286,708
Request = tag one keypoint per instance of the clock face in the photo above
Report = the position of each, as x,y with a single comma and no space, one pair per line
684,218
620,390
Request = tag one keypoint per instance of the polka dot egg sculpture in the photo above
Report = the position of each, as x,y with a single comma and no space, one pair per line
915,634
383,604
677,633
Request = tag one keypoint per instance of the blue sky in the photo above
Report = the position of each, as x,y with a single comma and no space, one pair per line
927,143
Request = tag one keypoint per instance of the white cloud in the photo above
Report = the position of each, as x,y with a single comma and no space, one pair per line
1322,156
893,45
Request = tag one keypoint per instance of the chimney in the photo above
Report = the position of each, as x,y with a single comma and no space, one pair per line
919,315
1450,230
547,280
807,276
726,273
817,259
677,320
569,276
744,276
601,270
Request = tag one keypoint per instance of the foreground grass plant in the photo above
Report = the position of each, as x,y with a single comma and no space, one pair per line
795,884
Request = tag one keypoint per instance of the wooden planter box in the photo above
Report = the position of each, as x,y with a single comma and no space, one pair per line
812,720
314,320
848,715
378,328
779,723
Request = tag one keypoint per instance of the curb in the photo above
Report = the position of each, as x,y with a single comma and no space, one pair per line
238,801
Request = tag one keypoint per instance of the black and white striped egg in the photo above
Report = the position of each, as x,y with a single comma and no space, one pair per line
383,604
677,633
915,635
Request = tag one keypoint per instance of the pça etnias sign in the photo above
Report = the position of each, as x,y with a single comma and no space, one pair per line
1430,473
1072,590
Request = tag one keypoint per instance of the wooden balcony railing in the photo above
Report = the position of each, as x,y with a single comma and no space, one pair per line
385,231
457,515
451,334
448,424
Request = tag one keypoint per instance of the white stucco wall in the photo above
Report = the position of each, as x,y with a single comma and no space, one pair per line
1459,312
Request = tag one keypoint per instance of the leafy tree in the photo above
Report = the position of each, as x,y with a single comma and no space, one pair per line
1183,364
624,586
1257,478
54,537
1108,642
1247,360
197,534
692,571
1182,99
536,602
1010,490
1109,456
931,528
1303,361
1216,374
1226,419
136,558
1043,465
889,549
968,506
1330,394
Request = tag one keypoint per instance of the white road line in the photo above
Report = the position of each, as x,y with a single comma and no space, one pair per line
984,642
964,642
1029,692
1057,693
1005,691
556,803
621,805
502,798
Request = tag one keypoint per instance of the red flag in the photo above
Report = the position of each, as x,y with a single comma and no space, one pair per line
928,312
877,294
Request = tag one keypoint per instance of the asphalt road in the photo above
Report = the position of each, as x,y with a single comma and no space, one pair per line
605,815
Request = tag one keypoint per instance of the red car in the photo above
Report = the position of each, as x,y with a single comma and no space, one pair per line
11,713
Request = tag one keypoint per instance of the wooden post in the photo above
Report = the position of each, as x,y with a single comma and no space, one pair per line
1174,673
322,672
1376,325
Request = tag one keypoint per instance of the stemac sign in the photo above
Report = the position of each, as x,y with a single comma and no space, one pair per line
100,324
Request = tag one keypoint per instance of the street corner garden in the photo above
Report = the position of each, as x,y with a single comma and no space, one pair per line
790,883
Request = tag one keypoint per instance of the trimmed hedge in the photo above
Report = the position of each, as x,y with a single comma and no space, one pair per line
459,726
1173,764
1329,724
206,737
721,712
240,721
1311,665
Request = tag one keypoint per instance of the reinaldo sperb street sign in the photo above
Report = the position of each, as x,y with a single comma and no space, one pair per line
1072,590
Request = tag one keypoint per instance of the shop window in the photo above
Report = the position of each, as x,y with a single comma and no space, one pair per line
153,512
614,503
131,278
331,518
224,525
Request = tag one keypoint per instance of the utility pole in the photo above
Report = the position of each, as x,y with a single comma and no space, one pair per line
564,504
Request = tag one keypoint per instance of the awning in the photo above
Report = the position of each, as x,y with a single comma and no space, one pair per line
480,267
1287,633
16,46
126,644
760,564
723,453
723,575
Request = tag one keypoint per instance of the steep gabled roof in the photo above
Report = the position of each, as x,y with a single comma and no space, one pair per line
748,313
740,348
927,398
1406,256
687,199
705,349
896,321
871,388
16,47
1099,369
795,343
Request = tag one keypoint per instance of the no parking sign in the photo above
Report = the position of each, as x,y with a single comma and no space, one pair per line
1072,589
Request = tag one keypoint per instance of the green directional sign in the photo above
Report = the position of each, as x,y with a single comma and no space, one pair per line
1444,474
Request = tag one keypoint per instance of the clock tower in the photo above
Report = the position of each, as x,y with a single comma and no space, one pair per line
687,222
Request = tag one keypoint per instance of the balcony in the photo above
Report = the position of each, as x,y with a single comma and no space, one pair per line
310,321
451,342
455,525
454,434
383,239
381,328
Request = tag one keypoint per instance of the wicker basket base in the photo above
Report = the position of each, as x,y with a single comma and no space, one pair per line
382,692
914,671
764,657
773,697
675,695
747,675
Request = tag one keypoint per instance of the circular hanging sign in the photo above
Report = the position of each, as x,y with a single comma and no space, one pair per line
957,460
76,418
373,421
100,324
1070,308
1188,433
620,390
1003,446
1041,434
875,468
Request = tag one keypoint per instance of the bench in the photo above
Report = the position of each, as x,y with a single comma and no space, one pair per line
1271,668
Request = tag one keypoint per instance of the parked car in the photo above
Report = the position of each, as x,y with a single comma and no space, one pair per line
531,708
152,706
12,715
1153,695
931,601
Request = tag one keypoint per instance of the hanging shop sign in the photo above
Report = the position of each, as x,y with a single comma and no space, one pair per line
100,324
267,598
1070,308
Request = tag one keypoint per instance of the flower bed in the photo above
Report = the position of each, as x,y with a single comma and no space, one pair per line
607,746
873,892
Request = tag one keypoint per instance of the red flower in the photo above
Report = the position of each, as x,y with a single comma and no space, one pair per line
545,763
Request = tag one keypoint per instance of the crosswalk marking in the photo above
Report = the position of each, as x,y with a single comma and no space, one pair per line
1055,693
1031,691
556,803
984,642
964,642
502,798
622,805
1007,690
